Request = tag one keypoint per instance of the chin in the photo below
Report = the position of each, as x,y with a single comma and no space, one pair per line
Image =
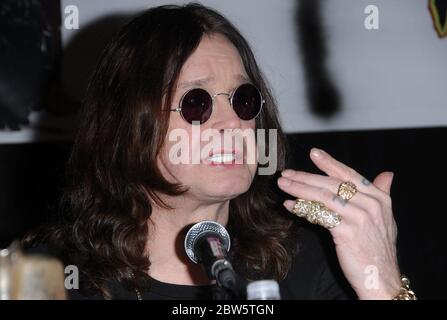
227,188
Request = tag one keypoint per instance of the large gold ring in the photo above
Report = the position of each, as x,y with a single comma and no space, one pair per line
347,190
317,213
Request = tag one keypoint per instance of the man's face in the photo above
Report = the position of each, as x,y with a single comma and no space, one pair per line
216,67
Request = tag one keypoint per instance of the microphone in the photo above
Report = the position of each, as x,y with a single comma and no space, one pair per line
208,243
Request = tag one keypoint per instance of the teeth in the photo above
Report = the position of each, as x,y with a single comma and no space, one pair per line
222,158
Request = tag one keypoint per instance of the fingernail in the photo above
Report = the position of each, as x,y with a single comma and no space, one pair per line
287,173
317,153
283,182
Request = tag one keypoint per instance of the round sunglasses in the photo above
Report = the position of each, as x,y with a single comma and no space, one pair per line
196,105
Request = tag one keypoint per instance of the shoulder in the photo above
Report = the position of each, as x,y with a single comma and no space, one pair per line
315,272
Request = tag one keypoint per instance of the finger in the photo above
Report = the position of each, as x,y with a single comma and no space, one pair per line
352,216
384,181
339,170
344,228
317,180
309,192
361,202
332,167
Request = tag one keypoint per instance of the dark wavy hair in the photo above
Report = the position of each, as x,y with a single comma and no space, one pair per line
112,176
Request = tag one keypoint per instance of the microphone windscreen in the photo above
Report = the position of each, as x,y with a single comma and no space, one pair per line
200,229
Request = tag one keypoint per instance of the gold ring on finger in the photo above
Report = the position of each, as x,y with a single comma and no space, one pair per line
317,213
347,190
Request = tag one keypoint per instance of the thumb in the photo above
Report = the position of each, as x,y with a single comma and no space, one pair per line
383,181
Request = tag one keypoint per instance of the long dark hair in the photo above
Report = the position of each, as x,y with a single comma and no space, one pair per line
112,173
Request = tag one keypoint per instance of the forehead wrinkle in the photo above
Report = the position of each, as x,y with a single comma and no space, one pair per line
196,83
204,81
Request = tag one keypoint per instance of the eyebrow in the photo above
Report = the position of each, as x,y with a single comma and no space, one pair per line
204,81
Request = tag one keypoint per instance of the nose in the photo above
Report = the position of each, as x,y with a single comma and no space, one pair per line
224,115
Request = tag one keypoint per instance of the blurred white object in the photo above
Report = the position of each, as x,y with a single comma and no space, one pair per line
263,290
30,277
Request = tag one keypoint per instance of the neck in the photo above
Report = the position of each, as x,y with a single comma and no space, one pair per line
167,229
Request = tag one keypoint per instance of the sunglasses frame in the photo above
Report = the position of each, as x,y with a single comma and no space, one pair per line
230,98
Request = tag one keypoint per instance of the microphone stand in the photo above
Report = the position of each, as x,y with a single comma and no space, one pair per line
230,286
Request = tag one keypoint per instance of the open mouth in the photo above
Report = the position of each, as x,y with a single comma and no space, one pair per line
224,158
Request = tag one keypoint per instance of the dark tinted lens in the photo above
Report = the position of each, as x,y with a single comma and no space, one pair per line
197,105
247,101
